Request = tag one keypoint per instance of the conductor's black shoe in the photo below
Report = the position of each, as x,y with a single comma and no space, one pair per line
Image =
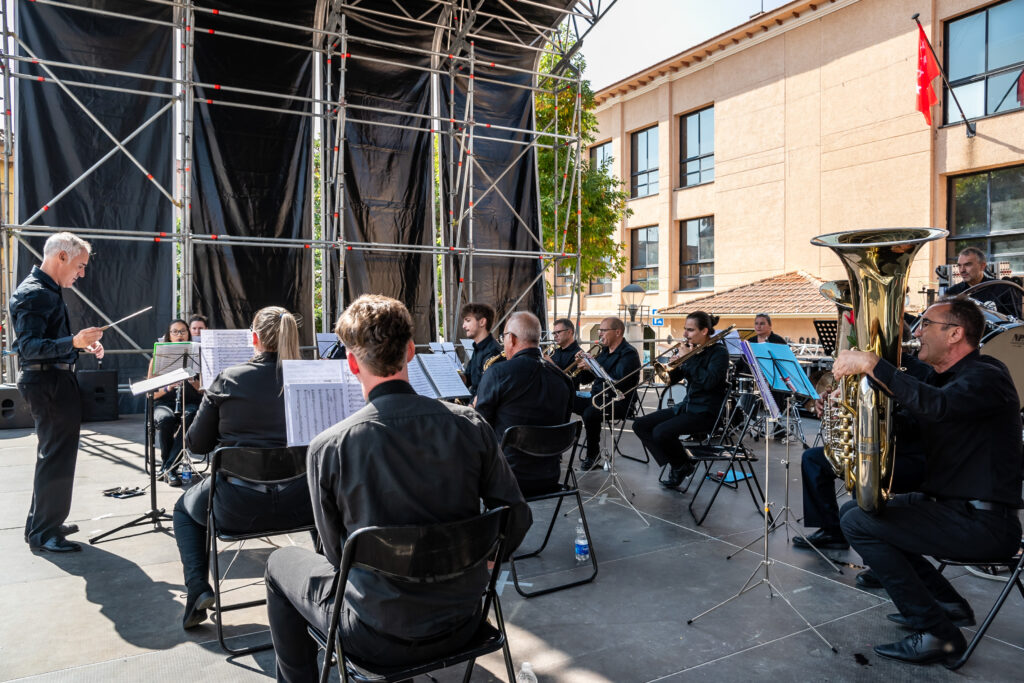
195,609
924,648
57,545
822,540
960,614
867,579
68,529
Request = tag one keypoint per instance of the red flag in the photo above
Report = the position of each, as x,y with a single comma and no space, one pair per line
1020,88
927,70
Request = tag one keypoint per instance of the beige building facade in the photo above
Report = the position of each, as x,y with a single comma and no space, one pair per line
802,122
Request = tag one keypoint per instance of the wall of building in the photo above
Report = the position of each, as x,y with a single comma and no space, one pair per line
816,131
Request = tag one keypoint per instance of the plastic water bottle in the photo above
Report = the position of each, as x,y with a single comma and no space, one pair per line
526,674
186,476
582,545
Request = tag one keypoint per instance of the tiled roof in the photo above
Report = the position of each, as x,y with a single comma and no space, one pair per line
793,293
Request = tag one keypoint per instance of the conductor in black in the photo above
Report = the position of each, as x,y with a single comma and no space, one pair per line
47,351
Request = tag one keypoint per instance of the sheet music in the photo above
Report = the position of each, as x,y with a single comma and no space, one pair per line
418,379
443,376
762,384
223,348
158,382
467,344
325,341
168,356
317,395
447,349
312,371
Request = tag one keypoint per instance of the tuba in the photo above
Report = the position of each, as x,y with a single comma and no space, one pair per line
858,433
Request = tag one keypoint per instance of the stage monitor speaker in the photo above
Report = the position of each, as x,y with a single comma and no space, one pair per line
98,389
14,413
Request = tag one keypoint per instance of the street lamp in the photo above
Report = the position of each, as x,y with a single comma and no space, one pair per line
632,295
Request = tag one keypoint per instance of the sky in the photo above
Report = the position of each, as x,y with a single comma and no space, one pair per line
636,34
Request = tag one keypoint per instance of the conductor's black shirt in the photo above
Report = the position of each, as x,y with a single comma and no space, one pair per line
482,352
40,319
526,390
406,459
970,427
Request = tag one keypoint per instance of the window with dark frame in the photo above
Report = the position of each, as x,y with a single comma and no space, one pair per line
601,154
564,275
600,285
643,168
985,61
643,265
986,210
697,253
697,147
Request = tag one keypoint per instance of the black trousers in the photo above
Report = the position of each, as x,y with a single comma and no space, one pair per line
53,400
299,591
819,485
659,432
168,431
895,542
593,420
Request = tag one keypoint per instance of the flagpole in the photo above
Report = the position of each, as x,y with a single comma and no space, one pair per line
942,72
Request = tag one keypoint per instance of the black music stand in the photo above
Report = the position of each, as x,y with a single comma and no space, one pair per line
188,359
828,333
154,515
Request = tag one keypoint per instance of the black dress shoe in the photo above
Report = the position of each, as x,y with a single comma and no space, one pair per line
960,614
676,475
587,464
867,579
924,648
68,529
822,540
57,545
174,481
195,609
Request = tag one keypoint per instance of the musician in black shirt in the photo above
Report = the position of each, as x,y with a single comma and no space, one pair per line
477,319
706,375
622,363
525,390
172,413
966,509
47,352
403,459
971,263
566,346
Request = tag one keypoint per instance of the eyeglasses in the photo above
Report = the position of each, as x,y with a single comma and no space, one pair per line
605,329
925,322
505,334
558,331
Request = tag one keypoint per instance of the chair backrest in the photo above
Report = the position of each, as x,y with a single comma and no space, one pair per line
259,465
541,441
424,554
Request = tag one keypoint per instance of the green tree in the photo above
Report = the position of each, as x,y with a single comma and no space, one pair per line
602,199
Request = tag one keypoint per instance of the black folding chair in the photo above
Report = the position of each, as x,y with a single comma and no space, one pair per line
549,442
1014,565
633,411
254,467
420,555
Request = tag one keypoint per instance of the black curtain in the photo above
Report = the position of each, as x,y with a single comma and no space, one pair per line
251,168
57,142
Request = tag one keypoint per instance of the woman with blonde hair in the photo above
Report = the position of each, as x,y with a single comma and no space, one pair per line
244,406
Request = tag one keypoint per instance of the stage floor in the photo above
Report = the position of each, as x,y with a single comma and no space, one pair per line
113,611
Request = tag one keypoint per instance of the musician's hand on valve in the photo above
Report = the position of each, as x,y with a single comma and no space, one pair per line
853,362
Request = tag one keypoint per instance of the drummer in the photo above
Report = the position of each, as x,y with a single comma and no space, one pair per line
971,263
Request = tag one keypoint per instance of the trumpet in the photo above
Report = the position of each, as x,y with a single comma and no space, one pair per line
580,365
664,370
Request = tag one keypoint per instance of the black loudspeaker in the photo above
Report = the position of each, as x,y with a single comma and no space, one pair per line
98,389
14,413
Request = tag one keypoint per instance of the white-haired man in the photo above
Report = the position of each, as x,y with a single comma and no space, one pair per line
47,352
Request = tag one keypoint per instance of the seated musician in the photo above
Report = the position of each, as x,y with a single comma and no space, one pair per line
244,406
971,263
403,459
969,417
566,346
526,390
622,363
169,410
705,375
477,319
196,324
763,331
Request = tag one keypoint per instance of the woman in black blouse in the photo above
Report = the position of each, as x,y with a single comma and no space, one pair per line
244,406
166,422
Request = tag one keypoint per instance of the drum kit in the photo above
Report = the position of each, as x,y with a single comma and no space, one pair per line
1003,340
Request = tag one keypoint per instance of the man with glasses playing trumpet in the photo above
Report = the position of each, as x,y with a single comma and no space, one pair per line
705,374
622,363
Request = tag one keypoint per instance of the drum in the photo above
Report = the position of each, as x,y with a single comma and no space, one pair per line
745,385
676,392
1005,342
